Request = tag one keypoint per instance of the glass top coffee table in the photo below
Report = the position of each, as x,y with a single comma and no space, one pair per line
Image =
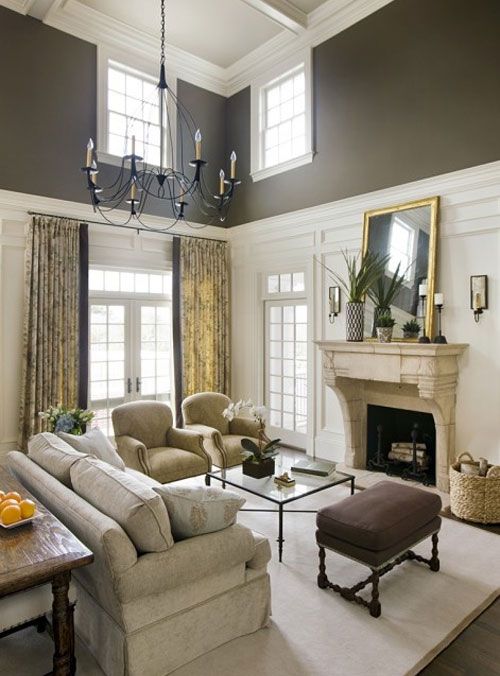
305,485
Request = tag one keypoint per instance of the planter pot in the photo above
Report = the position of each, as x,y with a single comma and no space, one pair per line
409,334
258,470
384,334
354,322
378,312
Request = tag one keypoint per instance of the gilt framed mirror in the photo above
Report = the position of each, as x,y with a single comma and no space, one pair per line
407,235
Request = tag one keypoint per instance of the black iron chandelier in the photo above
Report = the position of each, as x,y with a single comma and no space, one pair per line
175,181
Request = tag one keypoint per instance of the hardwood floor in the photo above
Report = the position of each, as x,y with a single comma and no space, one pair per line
476,652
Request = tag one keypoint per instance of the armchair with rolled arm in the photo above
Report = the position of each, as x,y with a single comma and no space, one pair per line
148,443
202,413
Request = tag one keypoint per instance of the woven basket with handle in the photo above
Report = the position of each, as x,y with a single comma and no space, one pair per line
475,498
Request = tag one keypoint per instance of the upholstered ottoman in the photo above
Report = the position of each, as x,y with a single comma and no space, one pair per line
377,527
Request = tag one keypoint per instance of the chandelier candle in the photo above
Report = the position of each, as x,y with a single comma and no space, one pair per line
140,183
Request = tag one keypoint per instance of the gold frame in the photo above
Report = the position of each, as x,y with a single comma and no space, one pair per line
433,203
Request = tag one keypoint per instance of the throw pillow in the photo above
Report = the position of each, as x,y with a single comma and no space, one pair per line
53,455
94,442
136,507
195,511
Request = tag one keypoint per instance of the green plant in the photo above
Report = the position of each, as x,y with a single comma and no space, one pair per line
385,289
385,321
63,419
412,327
257,454
361,276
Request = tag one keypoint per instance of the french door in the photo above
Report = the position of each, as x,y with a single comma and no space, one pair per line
130,354
286,370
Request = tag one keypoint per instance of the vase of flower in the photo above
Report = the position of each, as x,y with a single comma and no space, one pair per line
63,419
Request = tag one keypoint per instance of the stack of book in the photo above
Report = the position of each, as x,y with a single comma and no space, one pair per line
403,452
314,467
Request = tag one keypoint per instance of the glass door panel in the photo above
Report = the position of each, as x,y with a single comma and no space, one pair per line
155,360
286,370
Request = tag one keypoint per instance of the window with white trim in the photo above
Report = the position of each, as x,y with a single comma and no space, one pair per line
132,109
281,118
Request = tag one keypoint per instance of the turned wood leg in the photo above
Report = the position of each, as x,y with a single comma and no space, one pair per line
434,562
322,579
375,608
62,626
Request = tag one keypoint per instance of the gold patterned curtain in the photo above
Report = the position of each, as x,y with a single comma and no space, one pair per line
205,317
51,320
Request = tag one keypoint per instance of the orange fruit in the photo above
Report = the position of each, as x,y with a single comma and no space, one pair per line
27,508
2,495
7,503
14,495
10,514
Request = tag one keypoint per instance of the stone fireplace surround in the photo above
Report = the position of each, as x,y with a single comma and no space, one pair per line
411,376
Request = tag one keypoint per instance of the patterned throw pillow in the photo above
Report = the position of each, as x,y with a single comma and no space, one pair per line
195,511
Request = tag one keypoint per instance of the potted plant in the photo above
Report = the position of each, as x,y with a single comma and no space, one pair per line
385,326
258,461
411,329
360,278
383,292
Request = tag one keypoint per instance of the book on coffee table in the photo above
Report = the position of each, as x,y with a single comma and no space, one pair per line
314,467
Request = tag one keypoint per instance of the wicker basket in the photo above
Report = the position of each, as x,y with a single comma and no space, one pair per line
475,498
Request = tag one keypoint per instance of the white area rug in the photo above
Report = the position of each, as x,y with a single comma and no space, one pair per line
315,632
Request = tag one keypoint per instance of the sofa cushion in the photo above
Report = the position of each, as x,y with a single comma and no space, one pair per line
379,517
94,442
54,455
136,507
199,510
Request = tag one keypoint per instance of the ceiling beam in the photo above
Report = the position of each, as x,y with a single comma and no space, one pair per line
281,12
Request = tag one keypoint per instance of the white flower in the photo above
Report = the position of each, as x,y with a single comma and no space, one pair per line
228,413
260,412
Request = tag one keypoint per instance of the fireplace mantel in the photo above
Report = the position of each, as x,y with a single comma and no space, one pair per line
412,376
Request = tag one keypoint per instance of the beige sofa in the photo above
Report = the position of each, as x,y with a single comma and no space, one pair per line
202,413
147,442
148,614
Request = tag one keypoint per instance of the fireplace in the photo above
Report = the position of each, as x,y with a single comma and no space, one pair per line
391,434
407,376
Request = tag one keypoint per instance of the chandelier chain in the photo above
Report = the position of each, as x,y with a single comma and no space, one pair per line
162,49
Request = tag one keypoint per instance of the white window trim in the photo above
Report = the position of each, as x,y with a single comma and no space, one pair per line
142,67
257,171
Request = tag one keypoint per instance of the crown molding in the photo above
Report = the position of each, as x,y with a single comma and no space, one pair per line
281,12
21,6
16,205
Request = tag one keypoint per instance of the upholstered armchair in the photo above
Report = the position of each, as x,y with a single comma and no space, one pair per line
147,442
202,413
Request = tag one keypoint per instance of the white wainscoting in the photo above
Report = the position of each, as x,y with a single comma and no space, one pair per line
469,244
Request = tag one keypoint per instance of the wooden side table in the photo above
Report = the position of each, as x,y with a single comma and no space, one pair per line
40,552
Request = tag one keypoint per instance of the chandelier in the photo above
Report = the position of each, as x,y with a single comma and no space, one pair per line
174,181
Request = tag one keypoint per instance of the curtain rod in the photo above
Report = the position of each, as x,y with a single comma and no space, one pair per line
125,227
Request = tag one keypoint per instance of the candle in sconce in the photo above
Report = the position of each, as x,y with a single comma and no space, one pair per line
133,191
233,164
477,301
197,141
90,153
438,299
222,176
422,290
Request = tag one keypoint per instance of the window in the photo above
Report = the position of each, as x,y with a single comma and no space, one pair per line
401,248
130,340
132,109
289,282
281,119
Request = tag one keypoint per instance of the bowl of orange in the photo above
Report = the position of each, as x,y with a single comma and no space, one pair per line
15,510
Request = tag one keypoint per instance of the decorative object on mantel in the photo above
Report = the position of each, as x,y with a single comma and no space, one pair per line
138,183
439,302
385,327
356,285
259,458
411,329
478,295
334,302
474,497
407,233
383,292
422,293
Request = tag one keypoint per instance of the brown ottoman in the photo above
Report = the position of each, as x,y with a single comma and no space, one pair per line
377,527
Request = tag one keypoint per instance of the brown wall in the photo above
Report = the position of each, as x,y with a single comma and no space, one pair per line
411,91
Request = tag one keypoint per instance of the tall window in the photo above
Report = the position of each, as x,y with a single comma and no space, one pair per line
283,134
132,110
401,248
130,339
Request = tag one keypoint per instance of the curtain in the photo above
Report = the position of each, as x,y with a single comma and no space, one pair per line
203,270
51,333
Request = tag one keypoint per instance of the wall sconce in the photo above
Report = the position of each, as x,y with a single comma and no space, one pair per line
334,301
478,295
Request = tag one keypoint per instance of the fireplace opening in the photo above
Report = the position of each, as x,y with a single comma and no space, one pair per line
401,443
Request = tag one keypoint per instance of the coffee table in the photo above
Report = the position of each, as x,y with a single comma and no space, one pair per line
305,485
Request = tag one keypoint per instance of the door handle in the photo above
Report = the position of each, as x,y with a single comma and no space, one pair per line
137,384
129,385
